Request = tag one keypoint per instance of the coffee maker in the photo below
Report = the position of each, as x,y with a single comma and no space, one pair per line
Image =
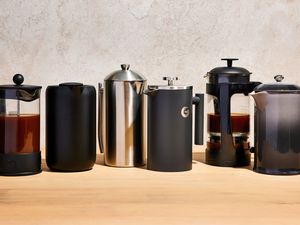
170,114
20,128
277,128
70,127
121,118
228,115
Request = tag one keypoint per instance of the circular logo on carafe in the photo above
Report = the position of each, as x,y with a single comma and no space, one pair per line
185,112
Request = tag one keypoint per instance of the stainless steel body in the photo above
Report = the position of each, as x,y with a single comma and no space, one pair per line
277,128
121,120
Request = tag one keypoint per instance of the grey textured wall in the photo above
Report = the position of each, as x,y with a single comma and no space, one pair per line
55,41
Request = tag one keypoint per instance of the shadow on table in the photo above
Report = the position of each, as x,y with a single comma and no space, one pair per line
200,157
197,157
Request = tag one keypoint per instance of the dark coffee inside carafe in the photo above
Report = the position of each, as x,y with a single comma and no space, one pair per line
239,123
19,133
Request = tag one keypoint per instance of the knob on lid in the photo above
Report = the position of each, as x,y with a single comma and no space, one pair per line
229,69
278,86
19,91
125,74
229,73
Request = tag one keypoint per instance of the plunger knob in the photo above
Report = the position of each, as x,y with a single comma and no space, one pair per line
18,79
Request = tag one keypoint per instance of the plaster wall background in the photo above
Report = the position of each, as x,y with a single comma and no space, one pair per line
54,41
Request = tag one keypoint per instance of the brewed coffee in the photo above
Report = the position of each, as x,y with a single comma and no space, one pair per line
19,133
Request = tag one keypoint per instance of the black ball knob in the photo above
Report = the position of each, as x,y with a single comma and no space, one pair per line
18,79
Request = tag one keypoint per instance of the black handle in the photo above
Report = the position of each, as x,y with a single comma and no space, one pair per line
198,101
100,119
229,61
227,151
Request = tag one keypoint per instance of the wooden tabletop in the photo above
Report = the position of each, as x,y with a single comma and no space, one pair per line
106,195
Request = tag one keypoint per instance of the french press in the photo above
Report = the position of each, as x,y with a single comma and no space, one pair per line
19,128
170,112
70,127
277,128
228,115
121,127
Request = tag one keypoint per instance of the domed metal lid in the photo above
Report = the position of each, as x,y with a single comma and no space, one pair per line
229,73
125,75
278,86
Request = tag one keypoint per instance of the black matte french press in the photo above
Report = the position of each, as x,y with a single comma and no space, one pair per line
170,126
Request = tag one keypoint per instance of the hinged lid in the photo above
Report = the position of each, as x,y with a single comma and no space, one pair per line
125,74
278,86
20,91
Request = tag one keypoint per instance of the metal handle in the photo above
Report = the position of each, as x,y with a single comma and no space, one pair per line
198,101
170,80
100,118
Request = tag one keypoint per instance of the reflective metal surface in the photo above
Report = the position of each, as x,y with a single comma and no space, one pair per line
122,123
125,75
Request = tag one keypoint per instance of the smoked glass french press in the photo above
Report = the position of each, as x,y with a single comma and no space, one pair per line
228,115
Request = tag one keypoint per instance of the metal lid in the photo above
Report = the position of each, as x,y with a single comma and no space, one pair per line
125,75
229,74
18,91
277,87
170,85
18,79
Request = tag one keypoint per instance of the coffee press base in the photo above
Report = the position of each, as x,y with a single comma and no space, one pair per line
20,164
277,171
215,157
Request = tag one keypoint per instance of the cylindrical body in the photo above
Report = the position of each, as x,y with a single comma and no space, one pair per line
277,129
70,127
20,129
122,121
240,129
228,118
170,129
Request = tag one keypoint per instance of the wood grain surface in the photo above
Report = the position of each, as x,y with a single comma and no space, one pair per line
106,195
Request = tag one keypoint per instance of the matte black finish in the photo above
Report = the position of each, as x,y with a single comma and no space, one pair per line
20,164
198,101
223,83
70,127
170,129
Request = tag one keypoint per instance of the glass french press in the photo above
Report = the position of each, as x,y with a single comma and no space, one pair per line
228,115
19,128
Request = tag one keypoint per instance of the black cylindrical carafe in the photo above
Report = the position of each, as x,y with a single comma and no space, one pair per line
170,126
70,127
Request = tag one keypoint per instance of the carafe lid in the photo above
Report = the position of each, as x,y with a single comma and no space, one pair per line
278,86
229,73
170,85
19,91
125,74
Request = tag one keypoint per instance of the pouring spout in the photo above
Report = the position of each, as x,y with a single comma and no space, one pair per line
260,99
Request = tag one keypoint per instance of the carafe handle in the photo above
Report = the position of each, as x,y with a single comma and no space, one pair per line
227,152
198,101
100,118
